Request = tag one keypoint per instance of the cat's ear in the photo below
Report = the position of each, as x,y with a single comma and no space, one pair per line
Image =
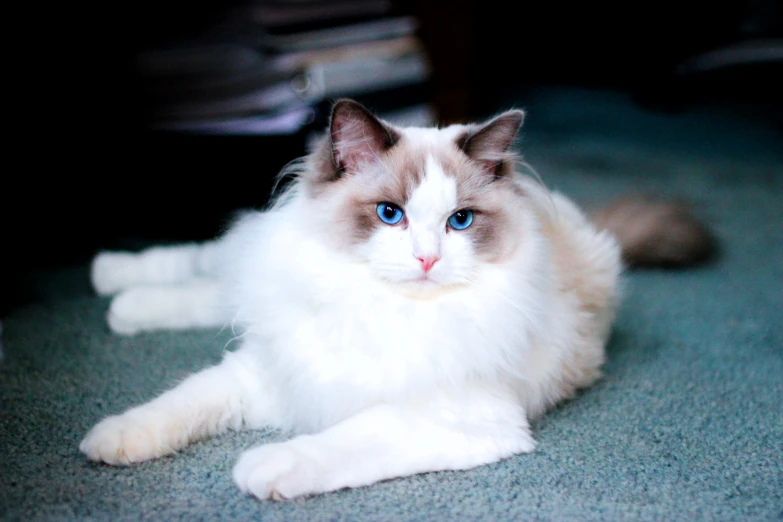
489,144
357,136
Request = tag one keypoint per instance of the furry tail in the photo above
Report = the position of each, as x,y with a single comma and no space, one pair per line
653,232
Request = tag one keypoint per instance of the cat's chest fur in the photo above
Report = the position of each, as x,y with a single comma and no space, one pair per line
337,339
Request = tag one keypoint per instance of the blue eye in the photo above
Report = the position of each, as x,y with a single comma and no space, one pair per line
389,213
461,220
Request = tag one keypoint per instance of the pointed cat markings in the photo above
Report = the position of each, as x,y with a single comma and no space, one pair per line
381,371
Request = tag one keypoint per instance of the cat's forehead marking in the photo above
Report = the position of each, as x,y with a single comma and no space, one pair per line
425,150
435,195
408,163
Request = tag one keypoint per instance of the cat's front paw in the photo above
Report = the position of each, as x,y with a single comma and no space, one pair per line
279,471
123,440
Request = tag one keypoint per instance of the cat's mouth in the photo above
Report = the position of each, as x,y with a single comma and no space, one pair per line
418,283
423,286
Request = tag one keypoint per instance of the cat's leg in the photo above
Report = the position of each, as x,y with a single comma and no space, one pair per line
195,304
112,272
388,441
231,395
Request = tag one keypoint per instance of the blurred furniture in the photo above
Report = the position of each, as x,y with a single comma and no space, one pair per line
273,67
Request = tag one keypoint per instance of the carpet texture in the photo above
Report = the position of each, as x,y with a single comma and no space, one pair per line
686,425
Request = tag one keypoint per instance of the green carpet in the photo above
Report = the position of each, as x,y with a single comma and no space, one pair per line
686,425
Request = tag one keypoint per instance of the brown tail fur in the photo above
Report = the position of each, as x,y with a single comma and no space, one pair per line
653,232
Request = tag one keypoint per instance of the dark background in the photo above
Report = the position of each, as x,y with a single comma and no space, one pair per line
93,176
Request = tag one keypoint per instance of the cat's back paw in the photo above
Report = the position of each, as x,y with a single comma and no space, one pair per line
129,312
124,439
143,309
112,272
174,307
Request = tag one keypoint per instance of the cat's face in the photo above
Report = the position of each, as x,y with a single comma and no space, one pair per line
423,207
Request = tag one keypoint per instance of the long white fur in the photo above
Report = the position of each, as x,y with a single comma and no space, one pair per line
376,381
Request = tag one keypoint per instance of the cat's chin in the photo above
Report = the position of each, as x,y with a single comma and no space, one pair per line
423,287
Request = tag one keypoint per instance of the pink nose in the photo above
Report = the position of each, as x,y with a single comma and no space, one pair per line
427,262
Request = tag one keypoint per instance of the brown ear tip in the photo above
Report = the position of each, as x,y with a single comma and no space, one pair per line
346,103
518,115
342,101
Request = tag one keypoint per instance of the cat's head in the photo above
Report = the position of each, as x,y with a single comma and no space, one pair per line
425,208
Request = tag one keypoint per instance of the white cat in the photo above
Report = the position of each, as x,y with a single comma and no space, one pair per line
407,305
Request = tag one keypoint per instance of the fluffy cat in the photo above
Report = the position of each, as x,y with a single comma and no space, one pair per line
408,305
